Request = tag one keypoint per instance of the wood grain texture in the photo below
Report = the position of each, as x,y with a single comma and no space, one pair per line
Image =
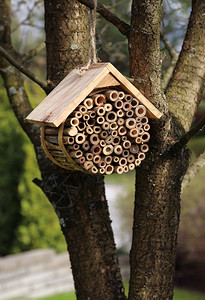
74,88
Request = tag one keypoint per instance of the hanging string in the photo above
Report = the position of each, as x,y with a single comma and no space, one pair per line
92,47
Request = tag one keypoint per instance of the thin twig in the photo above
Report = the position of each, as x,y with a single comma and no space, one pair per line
192,132
168,45
33,52
21,68
193,170
123,27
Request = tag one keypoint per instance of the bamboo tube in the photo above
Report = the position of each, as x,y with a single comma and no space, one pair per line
51,131
126,144
106,125
109,139
100,111
109,169
97,129
102,143
130,123
118,104
138,125
121,95
120,121
127,106
99,99
96,149
138,140
146,127
76,147
145,137
108,159
113,126
125,153
116,140
74,121
94,139
76,114
137,162
111,116
51,139
90,122
83,109
134,149
133,133
118,149
102,164
130,158
89,129
102,170
140,111
124,138
129,113
88,102
86,117
108,149
134,103
104,134
138,120
71,131
81,126
116,159
108,106
94,170
122,130
123,161
125,169
131,166
119,170
128,97
141,155
76,154
114,133
144,120
92,114
81,159
120,113
89,156
112,95
88,165
70,140
97,158
80,138
100,120
141,131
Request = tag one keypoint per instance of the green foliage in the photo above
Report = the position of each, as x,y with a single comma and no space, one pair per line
11,167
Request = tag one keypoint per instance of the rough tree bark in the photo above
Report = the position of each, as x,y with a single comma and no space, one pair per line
79,199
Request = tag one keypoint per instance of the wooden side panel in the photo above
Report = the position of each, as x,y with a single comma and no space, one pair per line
107,81
152,111
55,108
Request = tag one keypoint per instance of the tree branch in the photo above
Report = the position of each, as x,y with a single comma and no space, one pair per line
123,27
21,68
186,138
33,52
168,45
193,170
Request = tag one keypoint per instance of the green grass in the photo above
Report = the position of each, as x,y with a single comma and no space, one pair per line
179,294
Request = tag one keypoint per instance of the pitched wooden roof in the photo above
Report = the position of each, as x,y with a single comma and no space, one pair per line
74,88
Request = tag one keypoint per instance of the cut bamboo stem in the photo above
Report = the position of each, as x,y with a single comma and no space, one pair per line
141,156
89,130
81,159
140,111
129,113
108,149
131,158
106,125
111,116
86,117
97,159
96,149
125,169
125,153
109,140
109,169
146,127
88,102
80,138
118,104
113,126
145,137
100,111
123,161
81,126
116,140
121,95
116,159
128,97
108,107
88,165
119,169
112,95
76,146
89,156
74,121
97,129
138,140
120,121
133,133
122,130
104,134
94,139
131,166
134,149
100,120
118,149
94,170
76,154
71,131
130,123
108,159
114,133
83,109
127,106
99,99
90,122
126,144
102,143
134,103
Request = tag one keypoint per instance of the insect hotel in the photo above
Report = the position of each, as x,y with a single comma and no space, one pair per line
95,121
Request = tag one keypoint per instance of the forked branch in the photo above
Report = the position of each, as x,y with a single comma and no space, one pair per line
22,69
122,26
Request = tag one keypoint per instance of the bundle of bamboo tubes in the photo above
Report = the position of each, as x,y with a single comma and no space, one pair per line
107,133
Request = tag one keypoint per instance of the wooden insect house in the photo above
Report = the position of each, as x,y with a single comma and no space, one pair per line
96,122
